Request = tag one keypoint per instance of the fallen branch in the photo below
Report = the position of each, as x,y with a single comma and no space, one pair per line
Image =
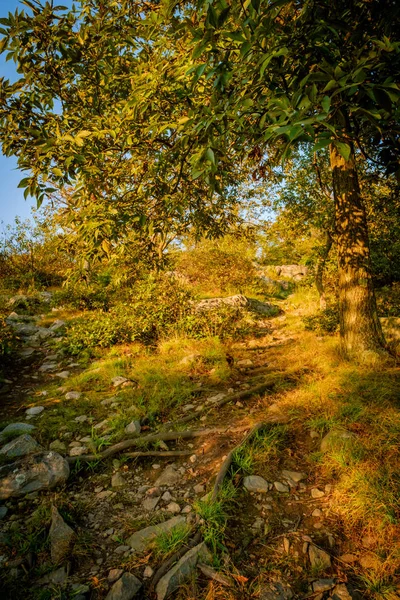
147,439
165,454
257,389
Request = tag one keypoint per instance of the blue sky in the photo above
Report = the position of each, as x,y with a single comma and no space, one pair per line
12,201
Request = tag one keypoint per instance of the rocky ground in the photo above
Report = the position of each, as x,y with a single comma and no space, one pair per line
71,529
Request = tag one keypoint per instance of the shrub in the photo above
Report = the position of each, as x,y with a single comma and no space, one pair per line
325,321
388,299
8,339
224,322
83,297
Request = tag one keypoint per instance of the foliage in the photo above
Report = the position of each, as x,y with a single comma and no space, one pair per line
389,300
168,542
82,296
325,321
8,339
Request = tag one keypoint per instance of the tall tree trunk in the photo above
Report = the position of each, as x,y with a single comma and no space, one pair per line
320,268
360,328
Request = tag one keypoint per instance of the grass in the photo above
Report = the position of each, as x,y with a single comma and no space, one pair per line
168,542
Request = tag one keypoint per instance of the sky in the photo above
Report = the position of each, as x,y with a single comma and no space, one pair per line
12,201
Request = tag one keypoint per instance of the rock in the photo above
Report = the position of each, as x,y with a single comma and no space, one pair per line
319,558
255,483
58,324
133,428
48,366
63,374
317,513
20,446
79,589
340,592
167,497
114,574
78,451
322,585
125,588
148,572
182,570
335,439
118,480
150,504
15,429
117,381
3,512
215,575
122,549
58,446
246,362
34,411
81,419
281,487
57,577
140,540
294,476
348,558
199,488
278,590
295,272
173,507
73,395
61,537
316,493
168,477
32,473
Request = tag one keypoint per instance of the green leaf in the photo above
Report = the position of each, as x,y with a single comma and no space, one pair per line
210,156
321,143
344,149
326,103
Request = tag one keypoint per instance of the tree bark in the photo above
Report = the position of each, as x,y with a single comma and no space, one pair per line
320,268
360,329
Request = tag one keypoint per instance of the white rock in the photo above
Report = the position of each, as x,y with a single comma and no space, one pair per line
73,395
34,411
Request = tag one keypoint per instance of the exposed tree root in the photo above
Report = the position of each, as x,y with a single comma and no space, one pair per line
153,437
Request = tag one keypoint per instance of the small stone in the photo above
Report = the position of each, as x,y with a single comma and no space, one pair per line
188,407
316,493
148,572
156,466
340,592
317,513
81,419
133,428
370,561
73,395
122,549
255,483
58,446
140,540
34,411
173,507
168,477
61,537
295,476
319,558
246,362
199,488
78,451
193,458
104,495
125,588
63,374
187,509
118,480
348,558
167,497
119,380
114,574
281,487
322,585
150,504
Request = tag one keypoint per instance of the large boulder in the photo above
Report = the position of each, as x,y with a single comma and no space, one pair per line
295,272
20,446
15,429
32,473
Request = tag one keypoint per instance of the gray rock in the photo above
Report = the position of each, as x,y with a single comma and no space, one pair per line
81,419
322,585
335,439
255,483
73,395
133,428
277,590
48,366
125,588
150,504
173,507
294,476
58,446
20,446
182,570
80,588
57,577
58,324
63,374
15,429
61,537
34,411
341,592
215,575
168,477
119,380
3,512
281,487
319,558
78,451
32,473
140,540
114,574
118,480
316,493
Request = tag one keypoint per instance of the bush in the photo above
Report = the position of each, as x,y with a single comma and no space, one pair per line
388,299
325,321
225,322
83,297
